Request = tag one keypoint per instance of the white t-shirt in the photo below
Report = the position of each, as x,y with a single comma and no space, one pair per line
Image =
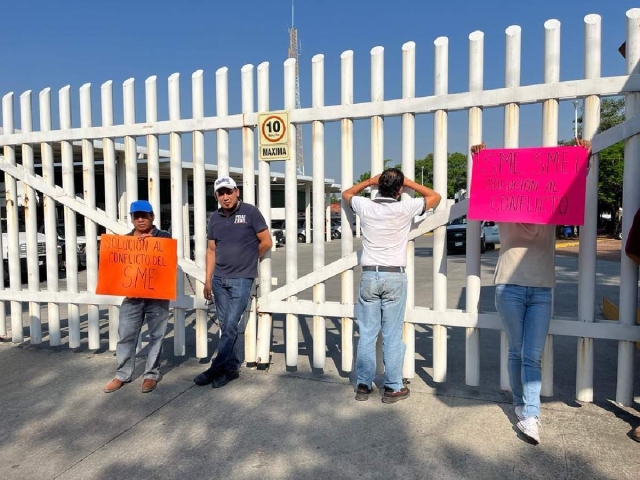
385,225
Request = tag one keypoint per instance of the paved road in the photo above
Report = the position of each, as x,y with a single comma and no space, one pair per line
304,423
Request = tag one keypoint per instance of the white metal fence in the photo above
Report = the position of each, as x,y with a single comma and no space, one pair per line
284,300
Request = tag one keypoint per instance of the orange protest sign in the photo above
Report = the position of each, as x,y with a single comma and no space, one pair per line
132,267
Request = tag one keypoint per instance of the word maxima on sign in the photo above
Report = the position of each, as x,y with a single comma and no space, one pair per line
277,152
273,136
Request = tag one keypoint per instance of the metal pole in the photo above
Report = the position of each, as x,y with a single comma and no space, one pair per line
110,189
317,143
476,71
630,204
377,148
291,220
511,134
153,154
588,232
91,231
130,148
17,333
222,110
408,166
264,319
70,238
50,223
175,146
550,138
31,223
249,196
440,143
199,208
575,120
346,239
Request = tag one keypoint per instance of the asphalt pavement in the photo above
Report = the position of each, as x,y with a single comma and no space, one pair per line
304,423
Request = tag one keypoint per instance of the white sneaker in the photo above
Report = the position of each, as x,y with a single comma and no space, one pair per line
529,426
519,409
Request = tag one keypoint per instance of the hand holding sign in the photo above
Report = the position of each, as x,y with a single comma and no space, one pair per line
139,267
529,185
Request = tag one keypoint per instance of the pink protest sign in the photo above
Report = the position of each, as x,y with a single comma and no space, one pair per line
529,185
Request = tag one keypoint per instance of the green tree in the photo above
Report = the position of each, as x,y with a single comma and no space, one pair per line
611,159
423,172
456,172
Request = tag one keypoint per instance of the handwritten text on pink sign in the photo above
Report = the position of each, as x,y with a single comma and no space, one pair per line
529,185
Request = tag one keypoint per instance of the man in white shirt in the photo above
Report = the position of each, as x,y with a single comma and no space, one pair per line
385,223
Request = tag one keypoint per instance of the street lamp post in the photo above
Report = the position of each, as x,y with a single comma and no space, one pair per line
575,124
422,182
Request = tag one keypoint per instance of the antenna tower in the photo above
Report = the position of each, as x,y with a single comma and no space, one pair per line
293,53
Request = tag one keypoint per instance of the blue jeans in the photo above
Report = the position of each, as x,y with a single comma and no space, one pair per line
526,314
133,313
381,303
231,296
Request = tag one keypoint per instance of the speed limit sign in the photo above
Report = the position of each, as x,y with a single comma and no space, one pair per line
274,136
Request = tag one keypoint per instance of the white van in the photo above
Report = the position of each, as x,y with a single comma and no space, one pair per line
22,235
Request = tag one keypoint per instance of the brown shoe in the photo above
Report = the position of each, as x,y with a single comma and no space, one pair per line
113,385
635,434
391,396
149,385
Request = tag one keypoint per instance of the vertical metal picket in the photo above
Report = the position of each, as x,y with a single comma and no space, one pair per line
440,144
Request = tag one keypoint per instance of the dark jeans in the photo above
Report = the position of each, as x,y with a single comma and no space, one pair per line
133,313
231,296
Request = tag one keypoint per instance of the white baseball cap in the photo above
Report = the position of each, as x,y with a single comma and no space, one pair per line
225,182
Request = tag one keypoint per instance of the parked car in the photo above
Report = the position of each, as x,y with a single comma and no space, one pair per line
336,228
491,234
278,236
22,244
81,242
457,236
277,231
302,231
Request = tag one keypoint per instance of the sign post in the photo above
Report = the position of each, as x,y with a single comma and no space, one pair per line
274,136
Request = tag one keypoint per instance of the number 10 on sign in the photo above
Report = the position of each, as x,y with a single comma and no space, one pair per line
274,136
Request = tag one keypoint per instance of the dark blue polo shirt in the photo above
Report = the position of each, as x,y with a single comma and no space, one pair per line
236,241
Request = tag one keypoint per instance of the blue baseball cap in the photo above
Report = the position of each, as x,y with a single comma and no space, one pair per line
141,206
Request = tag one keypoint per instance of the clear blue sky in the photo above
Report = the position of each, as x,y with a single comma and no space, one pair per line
72,42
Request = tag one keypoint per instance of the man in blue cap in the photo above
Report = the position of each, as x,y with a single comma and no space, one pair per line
135,311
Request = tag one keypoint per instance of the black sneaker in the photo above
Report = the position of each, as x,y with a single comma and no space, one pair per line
362,392
206,377
224,378
391,396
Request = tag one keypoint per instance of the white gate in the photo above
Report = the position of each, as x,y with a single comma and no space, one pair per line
283,300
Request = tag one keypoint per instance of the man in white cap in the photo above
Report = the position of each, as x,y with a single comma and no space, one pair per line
237,236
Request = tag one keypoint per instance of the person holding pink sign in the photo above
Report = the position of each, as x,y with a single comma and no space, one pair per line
524,279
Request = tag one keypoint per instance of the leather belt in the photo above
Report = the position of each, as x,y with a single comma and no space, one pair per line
380,268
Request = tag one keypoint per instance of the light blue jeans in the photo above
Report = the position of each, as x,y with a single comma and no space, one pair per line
133,313
381,303
526,314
